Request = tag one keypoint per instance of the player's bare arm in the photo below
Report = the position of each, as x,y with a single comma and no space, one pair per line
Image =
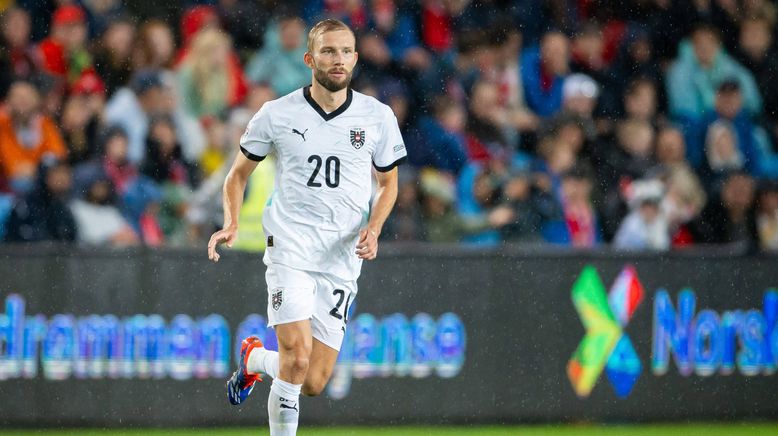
234,187
386,195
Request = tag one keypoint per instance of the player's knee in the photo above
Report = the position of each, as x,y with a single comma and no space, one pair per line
300,364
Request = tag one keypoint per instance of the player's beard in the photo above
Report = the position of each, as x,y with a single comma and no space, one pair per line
329,84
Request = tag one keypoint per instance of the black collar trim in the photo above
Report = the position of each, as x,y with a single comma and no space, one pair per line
320,111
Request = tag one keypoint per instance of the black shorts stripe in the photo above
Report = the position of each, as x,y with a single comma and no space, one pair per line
251,156
392,165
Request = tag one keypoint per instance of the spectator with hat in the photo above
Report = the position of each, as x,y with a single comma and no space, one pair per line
64,53
645,228
82,118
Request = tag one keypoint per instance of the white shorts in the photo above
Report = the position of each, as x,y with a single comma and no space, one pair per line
296,295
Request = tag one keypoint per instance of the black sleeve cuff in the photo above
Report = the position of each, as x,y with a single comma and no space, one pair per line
251,156
390,166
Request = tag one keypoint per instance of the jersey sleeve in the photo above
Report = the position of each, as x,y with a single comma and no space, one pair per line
390,150
256,142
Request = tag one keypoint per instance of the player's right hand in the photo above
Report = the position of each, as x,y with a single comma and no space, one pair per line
227,236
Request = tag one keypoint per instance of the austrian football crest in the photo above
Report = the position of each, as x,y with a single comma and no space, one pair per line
277,299
357,137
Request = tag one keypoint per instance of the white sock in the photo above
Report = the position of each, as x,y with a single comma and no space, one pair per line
283,408
263,361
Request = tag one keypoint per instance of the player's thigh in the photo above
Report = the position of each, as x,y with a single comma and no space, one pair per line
294,338
334,297
290,295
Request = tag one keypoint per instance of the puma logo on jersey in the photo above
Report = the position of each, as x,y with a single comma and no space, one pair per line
300,133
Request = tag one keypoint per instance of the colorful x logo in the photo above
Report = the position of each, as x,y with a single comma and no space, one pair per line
605,344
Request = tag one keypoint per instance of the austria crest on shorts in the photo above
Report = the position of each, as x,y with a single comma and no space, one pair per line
277,298
357,137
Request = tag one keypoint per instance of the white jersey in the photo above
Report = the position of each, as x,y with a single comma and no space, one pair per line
323,180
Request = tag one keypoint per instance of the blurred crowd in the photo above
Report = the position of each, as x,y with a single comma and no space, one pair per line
636,124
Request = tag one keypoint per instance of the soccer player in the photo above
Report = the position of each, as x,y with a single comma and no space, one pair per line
319,222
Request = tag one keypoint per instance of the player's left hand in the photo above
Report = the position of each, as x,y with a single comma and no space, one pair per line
367,247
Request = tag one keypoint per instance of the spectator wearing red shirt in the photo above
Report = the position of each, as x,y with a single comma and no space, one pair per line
64,52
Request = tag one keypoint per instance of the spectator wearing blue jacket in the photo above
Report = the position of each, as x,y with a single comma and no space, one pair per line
543,72
439,141
279,62
702,64
753,157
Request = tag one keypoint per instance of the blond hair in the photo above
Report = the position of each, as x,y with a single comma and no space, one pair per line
212,81
324,26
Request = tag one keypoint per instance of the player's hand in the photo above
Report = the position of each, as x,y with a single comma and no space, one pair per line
227,236
367,247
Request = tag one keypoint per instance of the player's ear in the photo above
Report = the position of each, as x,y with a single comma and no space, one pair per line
308,59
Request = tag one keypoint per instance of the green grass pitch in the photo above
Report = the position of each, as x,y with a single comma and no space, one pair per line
540,430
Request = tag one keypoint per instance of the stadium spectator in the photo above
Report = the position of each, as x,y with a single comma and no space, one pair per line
670,147
508,80
165,166
113,54
587,52
635,61
82,118
579,99
441,222
114,160
758,52
207,84
640,100
216,150
544,69
436,24
244,20
43,214
278,62
580,217
645,227
399,29
518,197
376,63
730,136
154,47
97,217
617,161
488,125
683,201
64,53
439,141
702,65
131,108
351,12
17,54
100,14
728,218
26,137
406,222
